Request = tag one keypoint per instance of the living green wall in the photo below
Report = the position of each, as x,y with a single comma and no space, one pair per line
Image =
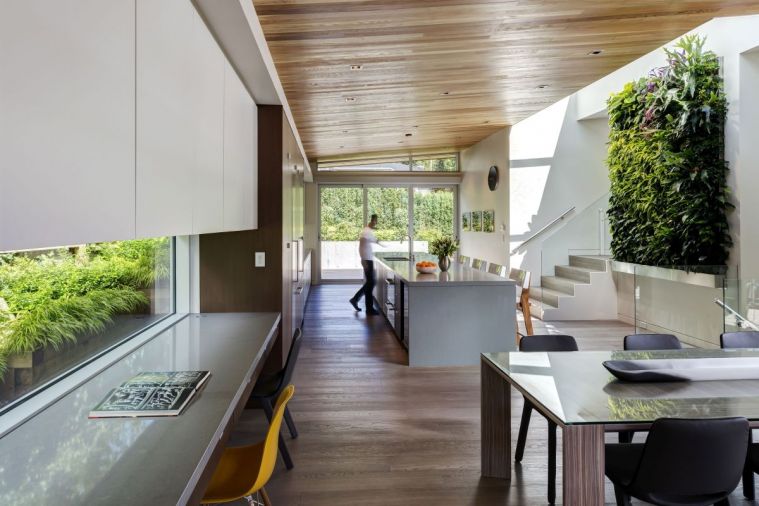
669,196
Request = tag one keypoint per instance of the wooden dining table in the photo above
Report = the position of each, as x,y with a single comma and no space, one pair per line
576,392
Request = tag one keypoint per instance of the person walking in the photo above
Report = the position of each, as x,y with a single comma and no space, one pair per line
366,242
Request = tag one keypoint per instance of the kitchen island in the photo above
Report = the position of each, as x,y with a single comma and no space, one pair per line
445,318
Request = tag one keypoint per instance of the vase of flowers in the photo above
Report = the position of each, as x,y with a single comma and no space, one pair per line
443,248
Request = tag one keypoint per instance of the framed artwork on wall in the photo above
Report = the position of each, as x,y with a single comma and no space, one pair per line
488,221
466,222
476,221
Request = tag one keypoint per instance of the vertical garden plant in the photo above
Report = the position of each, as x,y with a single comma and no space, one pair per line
669,196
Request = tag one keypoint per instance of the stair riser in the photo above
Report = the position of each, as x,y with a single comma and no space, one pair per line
569,272
589,263
552,299
559,284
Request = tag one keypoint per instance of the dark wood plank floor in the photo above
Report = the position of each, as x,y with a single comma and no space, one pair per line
375,432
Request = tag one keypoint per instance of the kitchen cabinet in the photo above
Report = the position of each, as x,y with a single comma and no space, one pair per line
67,102
113,125
240,159
208,129
165,120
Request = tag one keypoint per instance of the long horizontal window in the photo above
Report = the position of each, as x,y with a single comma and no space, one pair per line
61,307
447,162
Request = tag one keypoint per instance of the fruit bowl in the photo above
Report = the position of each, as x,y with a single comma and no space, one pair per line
426,267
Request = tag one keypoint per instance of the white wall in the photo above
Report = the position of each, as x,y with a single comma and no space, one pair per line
474,195
556,162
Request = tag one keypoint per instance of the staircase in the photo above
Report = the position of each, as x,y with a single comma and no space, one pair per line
582,290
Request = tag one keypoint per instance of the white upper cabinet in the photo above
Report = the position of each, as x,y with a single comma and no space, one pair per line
119,119
240,155
208,110
166,133
66,122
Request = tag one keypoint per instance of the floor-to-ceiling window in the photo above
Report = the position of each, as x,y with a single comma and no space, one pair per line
409,216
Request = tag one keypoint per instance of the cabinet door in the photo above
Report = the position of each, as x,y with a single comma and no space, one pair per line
165,135
66,122
240,155
208,122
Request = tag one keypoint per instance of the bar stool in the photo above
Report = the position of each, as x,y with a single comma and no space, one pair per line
496,269
464,260
478,264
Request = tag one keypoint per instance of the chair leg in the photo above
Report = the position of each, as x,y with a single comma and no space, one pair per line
265,497
523,426
290,423
268,409
551,462
622,498
266,403
285,453
527,315
626,436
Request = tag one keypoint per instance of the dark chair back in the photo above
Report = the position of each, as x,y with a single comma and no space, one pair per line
692,457
744,339
548,342
652,342
292,358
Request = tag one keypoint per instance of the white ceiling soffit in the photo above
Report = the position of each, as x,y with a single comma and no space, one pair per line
235,25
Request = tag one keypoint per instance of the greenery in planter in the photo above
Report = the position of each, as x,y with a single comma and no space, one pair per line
669,195
52,298
444,246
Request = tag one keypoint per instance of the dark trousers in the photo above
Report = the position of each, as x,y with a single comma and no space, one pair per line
368,287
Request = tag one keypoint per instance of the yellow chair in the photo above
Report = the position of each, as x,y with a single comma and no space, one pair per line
244,471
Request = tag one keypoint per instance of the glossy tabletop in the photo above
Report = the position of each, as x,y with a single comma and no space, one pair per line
61,457
577,389
457,274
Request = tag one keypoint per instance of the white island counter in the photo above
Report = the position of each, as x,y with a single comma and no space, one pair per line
445,318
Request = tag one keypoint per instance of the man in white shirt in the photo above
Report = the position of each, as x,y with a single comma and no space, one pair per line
366,242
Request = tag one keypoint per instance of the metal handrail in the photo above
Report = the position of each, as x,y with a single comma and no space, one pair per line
741,321
533,236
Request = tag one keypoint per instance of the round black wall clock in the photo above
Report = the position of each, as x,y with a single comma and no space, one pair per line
493,178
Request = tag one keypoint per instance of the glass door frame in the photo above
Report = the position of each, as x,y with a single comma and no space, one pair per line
365,212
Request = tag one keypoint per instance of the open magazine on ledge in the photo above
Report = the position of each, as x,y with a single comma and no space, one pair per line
154,393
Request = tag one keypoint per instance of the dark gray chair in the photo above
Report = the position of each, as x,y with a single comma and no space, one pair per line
645,342
548,342
743,339
670,470
267,390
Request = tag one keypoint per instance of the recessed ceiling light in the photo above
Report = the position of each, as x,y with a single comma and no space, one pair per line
409,134
350,99
541,86
356,67
595,52
446,93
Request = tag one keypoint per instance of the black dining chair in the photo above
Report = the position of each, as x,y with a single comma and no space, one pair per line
546,342
743,339
644,342
267,390
647,342
669,469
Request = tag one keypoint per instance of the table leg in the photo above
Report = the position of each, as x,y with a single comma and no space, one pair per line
495,418
583,457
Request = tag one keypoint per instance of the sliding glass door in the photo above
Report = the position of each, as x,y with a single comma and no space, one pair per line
434,215
409,217
341,218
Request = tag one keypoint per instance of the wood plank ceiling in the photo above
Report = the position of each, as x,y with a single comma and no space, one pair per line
451,72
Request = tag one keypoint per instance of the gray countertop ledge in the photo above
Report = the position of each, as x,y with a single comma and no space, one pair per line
61,457
457,274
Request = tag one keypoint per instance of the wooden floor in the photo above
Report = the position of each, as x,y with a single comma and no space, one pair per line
375,432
